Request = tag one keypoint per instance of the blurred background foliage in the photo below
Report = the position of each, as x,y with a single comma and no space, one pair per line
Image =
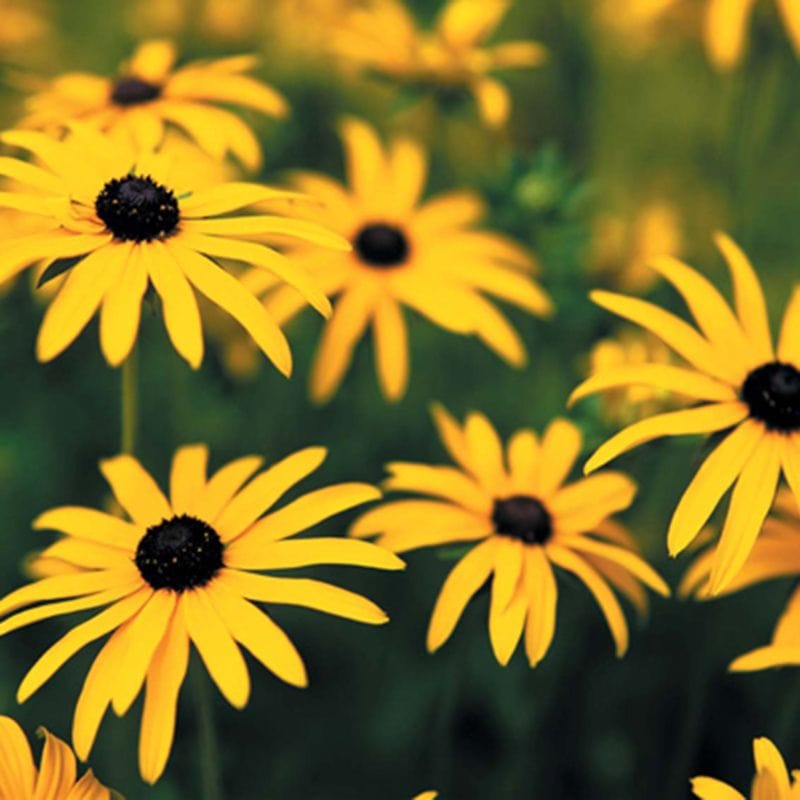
626,116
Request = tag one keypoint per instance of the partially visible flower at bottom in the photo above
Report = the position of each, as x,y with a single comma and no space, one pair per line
771,781
185,571
57,776
776,554
524,521
426,796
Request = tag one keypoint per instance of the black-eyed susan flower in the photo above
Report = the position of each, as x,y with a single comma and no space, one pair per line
134,223
57,776
181,571
148,93
454,56
426,256
739,385
771,781
525,521
726,22
775,555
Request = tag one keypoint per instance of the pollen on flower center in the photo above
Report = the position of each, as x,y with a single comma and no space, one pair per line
136,207
179,553
772,392
381,245
524,518
132,91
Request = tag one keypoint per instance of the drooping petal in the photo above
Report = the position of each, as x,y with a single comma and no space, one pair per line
540,584
391,347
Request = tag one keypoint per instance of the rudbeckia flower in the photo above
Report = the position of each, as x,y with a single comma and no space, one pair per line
775,555
525,521
771,781
745,389
57,776
405,252
131,223
148,93
726,28
183,571
384,37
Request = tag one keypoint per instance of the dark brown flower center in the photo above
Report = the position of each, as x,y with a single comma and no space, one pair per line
772,393
382,246
179,554
130,91
523,518
137,208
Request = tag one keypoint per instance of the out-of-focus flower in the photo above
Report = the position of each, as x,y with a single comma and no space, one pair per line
745,388
424,255
133,221
771,781
186,571
24,24
642,24
622,248
726,23
525,520
304,26
775,555
453,56
628,350
57,776
426,796
149,93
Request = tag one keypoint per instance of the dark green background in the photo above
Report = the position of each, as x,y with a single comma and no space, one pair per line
592,131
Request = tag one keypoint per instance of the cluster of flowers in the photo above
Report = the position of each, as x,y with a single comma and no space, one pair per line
117,210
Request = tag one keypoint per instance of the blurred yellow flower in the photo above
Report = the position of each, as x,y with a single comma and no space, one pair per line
745,388
24,23
135,222
771,781
384,37
149,93
515,504
726,24
426,796
424,255
57,777
622,247
185,570
629,349
776,554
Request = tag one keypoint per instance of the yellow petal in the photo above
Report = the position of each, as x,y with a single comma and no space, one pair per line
494,102
769,760
91,525
506,624
57,769
152,60
789,339
561,444
224,484
135,490
391,347
705,419
366,162
540,584
447,483
187,478
712,789
750,502
485,453
725,27
18,774
524,463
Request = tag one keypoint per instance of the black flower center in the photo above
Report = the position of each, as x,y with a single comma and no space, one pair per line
179,554
772,392
381,245
136,207
132,91
523,518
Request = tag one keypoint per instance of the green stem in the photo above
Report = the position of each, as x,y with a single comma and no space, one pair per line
207,743
130,404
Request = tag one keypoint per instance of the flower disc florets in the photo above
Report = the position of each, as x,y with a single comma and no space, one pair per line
381,245
133,91
524,518
179,554
137,208
772,393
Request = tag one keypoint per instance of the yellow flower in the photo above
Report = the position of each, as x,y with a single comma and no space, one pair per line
182,571
745,388
148,93
385,38
135,222
426,796
629,350
24,24
57,777
776,554
525,520
623,248
726,28
424,255
771,781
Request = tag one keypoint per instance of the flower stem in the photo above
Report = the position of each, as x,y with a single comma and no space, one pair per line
207,743
130,404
